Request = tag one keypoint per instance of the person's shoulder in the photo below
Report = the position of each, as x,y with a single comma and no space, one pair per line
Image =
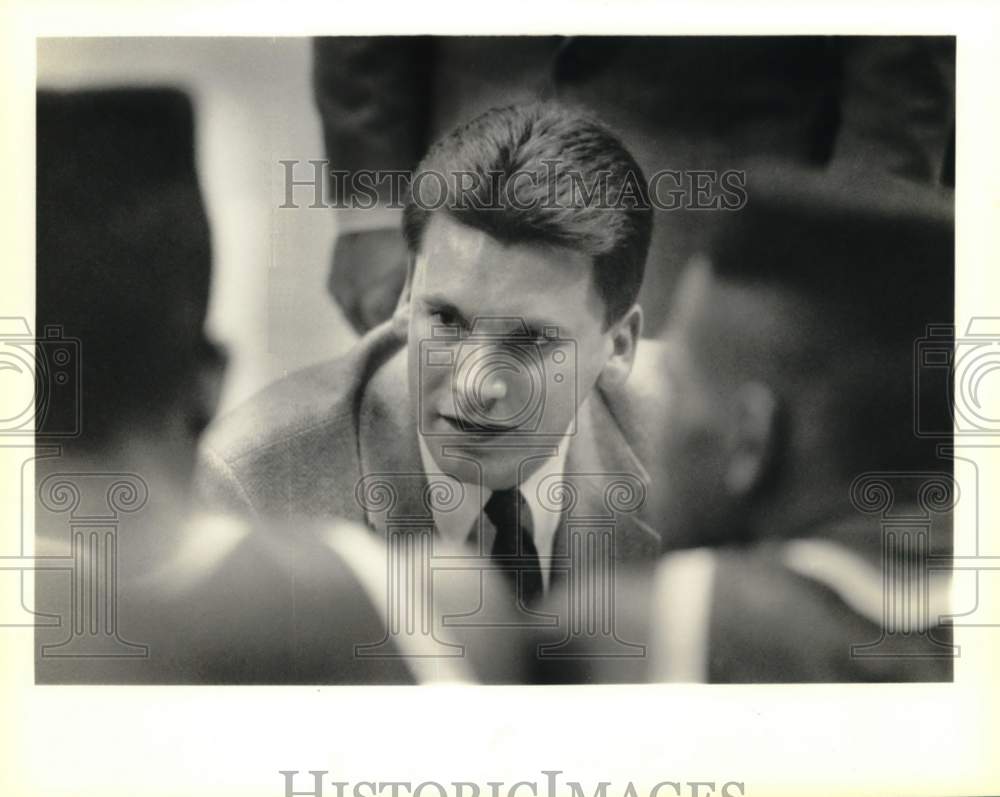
302,400
258,603
813,609
311,399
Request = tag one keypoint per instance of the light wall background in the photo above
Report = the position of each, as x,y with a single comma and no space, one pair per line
253,108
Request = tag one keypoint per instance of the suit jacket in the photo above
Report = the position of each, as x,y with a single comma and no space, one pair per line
333,440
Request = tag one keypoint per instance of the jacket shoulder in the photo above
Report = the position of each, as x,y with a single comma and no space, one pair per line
315,396
319,396
639,405
293,448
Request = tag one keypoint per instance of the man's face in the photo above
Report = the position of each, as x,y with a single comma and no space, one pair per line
505,342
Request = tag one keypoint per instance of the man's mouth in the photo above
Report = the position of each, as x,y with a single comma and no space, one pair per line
478,428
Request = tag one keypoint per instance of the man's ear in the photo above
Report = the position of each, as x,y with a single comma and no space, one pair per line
753,438
624,338
401,315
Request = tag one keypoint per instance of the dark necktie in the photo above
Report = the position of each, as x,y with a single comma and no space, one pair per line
514,549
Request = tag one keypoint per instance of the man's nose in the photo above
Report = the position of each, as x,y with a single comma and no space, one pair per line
485,379
494,389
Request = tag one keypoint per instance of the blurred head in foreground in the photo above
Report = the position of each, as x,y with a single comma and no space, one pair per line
789,371
123,266
789,358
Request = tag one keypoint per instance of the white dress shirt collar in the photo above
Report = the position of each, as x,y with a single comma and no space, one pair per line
458,524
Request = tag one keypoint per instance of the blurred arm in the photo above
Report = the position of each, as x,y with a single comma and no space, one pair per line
374,98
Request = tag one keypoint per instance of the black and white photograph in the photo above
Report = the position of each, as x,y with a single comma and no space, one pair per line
552,363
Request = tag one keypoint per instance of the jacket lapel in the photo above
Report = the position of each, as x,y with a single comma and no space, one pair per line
391,486
609,485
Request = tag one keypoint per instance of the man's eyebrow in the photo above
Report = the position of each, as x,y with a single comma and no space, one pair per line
436,300
532,327
539,328
440,303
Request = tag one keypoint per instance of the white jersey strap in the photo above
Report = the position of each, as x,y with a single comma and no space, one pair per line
862,585
682,605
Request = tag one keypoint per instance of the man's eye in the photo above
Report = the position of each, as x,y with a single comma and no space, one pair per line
446,317
449,318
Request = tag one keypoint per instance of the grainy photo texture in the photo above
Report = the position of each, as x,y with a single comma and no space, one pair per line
501,360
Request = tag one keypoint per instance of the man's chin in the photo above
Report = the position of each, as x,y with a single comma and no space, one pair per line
477,462
454,452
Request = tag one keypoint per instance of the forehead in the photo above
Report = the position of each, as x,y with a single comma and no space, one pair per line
476,272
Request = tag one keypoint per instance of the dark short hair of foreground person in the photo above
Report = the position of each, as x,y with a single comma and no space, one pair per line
787,447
